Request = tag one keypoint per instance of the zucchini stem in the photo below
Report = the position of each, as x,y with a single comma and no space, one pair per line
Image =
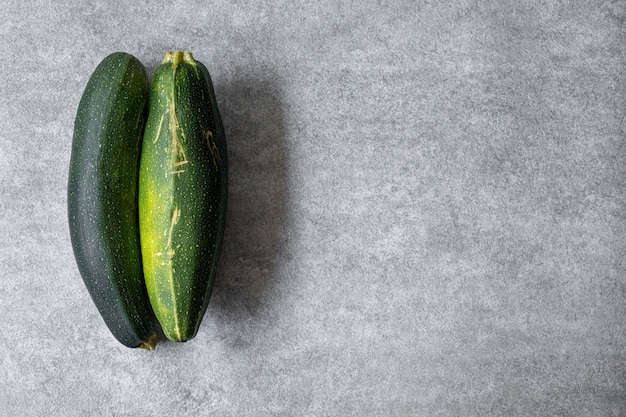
151,343
177,57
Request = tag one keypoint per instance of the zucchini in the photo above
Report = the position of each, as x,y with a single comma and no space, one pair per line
182,194
102,197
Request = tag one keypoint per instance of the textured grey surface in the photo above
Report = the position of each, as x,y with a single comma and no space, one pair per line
427,211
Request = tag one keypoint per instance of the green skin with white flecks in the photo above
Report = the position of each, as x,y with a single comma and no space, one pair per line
102,197
182,194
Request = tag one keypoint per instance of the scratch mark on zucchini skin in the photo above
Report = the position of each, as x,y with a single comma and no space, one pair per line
158,134
173,221
177,147
215,153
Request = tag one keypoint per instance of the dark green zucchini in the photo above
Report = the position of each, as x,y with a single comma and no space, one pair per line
182,194
102,197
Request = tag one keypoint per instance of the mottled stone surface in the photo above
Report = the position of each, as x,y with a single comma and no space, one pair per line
427,210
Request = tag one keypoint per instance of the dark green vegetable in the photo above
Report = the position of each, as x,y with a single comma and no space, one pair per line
102,197
182,194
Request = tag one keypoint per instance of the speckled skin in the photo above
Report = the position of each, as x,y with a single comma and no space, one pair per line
102,195
182,194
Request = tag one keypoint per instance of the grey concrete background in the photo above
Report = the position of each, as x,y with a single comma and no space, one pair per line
427,210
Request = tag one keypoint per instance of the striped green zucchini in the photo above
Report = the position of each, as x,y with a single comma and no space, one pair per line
182,194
